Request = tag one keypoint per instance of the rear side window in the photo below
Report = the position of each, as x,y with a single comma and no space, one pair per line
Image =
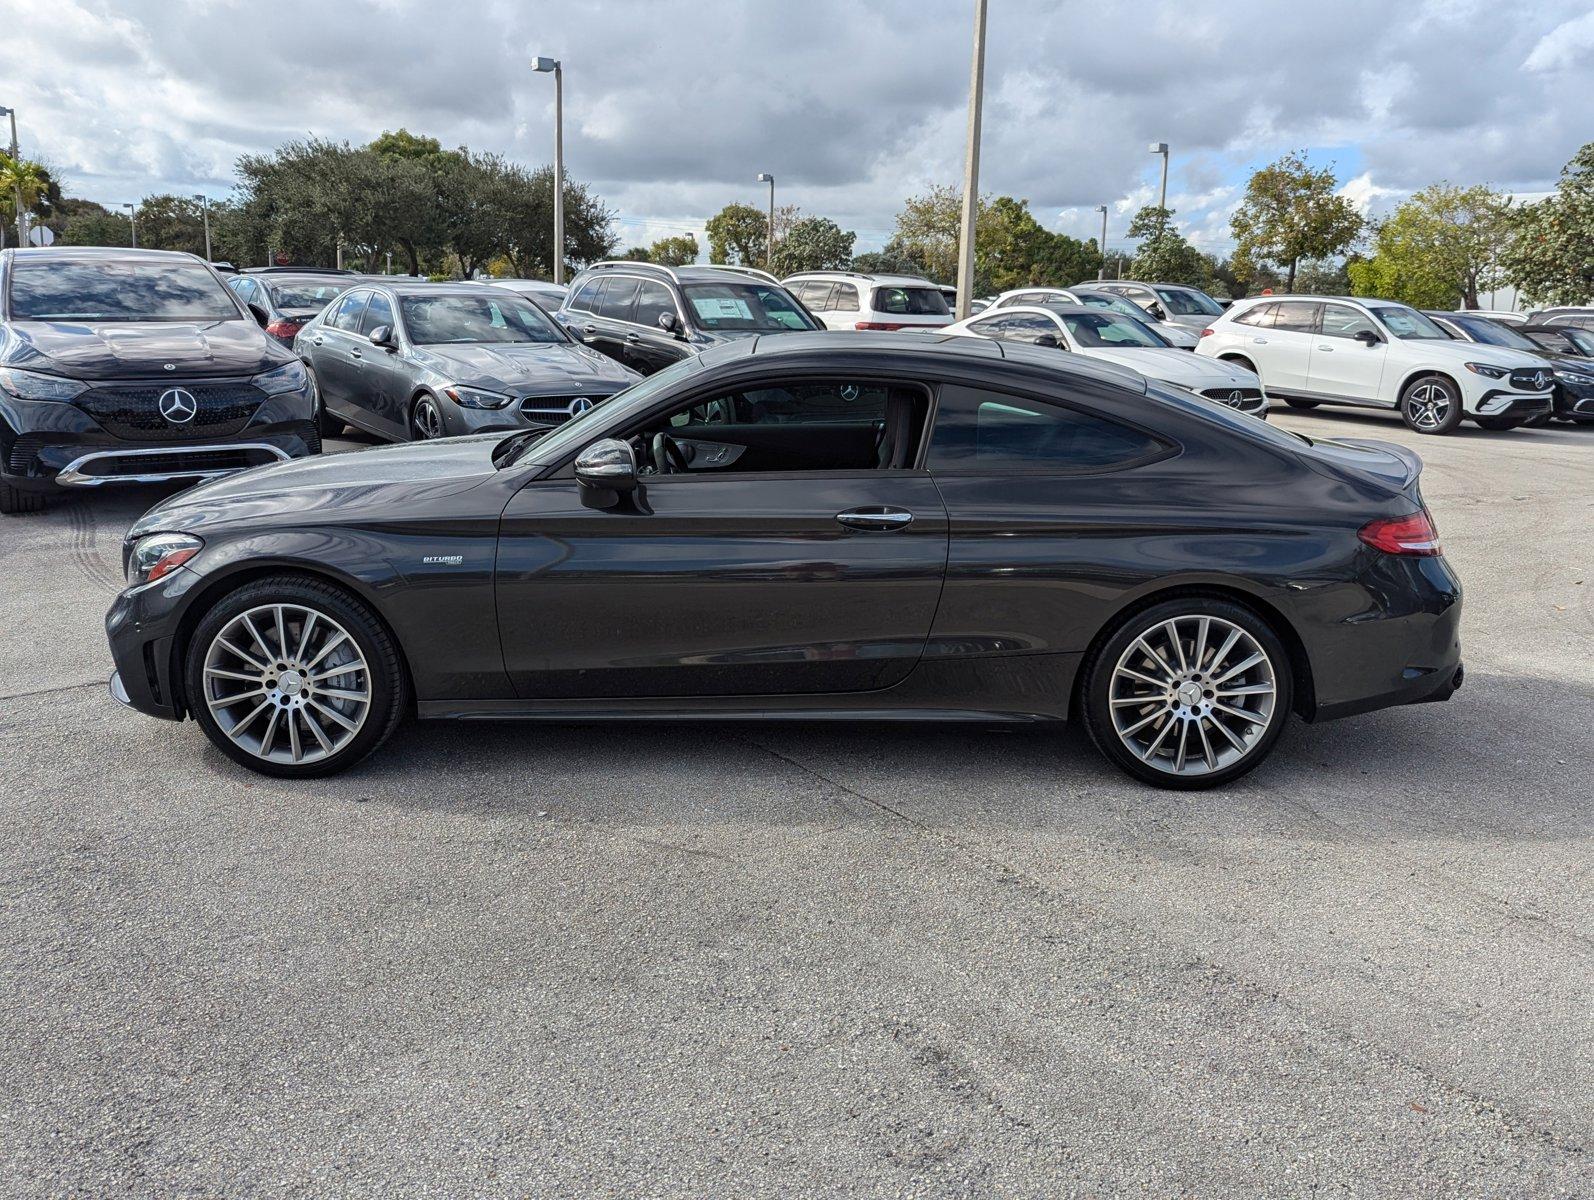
377,313
844,298
979,430
586,295
347,313
1259,316
910,301
618,299
1294,316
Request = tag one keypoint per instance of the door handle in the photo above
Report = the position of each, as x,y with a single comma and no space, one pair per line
589,329
877,519
1326,349
318,340
354,354
633,337
1260,341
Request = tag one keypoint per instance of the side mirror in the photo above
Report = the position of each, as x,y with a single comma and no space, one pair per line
261,316
1158,312
606,470
1049,340
670,323
1367,337
382,336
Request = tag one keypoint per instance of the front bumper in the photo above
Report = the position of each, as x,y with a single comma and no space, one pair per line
529,412
142,627
1574,402
1519,405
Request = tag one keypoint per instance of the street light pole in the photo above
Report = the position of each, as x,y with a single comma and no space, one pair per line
769,244
16,183
1101,271
1162,149
545,65
971,167
204,211
132,216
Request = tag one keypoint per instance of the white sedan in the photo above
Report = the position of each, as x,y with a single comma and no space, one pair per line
1098,333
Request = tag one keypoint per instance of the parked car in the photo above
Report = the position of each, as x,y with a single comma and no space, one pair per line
1172,302
413,361
1312,350
648,317
1573,372
288,299
136,366
1113,337
1578,318
549,295
851,300
816,528
1505,315
949,293
1564,339
1172,334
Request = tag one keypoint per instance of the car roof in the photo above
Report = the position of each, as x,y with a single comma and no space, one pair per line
888,280
419,287
103,253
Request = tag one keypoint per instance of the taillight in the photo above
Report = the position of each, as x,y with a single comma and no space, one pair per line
1410,535
883,326
1205,333
283,329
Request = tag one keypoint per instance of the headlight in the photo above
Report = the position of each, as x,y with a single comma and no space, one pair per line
1576,377
1489,370
469,397
158,554
289,377
30,385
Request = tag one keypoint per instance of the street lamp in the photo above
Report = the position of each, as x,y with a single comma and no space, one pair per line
22,237
971,167
1101,271
204,211
544,66
769,245
132,215
1162,149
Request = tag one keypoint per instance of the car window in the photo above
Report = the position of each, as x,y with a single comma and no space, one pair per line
1259,316
1408,323
844,298
453,319
1493,333
246,291
1017,327
1112,303
828,403
1295,316
1582,341
304,293
815,294
1108,330
759,307
63,289
1188,303
979,430
910,301
586,295
1340,321
618,299
653,301
1556,340
378,312
347,314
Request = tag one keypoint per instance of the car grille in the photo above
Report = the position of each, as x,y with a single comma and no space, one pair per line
556,410
1531,379
1234,397
133,410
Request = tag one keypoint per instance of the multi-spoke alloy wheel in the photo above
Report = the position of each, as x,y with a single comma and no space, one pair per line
428,421
1189,694
294,677
1431,405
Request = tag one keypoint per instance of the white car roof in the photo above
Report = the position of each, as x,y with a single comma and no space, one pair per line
855,276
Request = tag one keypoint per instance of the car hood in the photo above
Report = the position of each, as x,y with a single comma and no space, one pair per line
558,368
320,488
1480,352
1182,336
1178,366
124,349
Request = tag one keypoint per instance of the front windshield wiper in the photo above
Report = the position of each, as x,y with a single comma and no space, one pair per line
508,451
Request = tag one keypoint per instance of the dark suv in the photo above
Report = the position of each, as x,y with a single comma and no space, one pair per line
647,316
136,366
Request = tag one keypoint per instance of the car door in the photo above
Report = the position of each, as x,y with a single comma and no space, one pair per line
784,560
1341,364
647,346
335,356
387,380
606,329
1282,349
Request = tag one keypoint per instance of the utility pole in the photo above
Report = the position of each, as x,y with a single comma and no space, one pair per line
132,216
16,161
971,167
545,65
769,244
1101,271
204,211
1162,149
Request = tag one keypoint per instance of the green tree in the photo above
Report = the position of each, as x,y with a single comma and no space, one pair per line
737,235
1164,254
813,244
892,259
168,222
1291,212
927,231
1012,249
29,178
674,251
589,232
1439,248
1551,255
636,254
101,228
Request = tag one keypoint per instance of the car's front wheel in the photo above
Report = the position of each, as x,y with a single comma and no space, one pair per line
292,676
15,501
426,420
1431,404
1189,693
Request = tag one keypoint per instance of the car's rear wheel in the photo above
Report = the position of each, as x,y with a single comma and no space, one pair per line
426,420
1189,693
294,677
14,501
1499,424
1431,404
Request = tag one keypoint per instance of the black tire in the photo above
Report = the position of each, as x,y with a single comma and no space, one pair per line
326,424
426,420
1098,682
14,502
1499,424
1431,404
387,683
1294,403
1242,362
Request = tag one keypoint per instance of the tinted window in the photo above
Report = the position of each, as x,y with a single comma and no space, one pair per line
1108,330
305,293
983,430
347,314
65,290
618,298
1410,324
844,298
1557,341
653,301
754,306
1295,316
815,295
454,319
1492,333
378,312
1259,316
793,404
586,296
1112,303
1342,322
1188,304
910,301
246,290
1018,327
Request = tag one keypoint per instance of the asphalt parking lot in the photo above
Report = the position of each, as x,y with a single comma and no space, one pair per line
760,960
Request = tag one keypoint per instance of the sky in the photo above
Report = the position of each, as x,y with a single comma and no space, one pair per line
672,109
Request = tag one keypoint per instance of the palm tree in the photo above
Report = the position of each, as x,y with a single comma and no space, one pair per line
21,178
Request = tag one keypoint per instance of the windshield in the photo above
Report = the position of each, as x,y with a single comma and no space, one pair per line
1408,323
1115,303
1582,339
911,301
580,430
306,293
455,320
1493,333
761,307
1188,303
1107,331
63,290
